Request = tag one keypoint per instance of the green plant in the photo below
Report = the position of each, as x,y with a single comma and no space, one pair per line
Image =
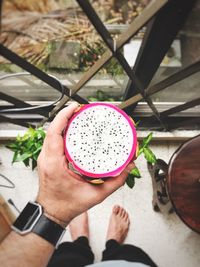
91,52
102,96
27,148
149,156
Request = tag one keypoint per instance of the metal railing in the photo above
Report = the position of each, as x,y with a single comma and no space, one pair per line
163,20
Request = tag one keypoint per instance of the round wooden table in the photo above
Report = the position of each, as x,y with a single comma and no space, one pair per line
184,183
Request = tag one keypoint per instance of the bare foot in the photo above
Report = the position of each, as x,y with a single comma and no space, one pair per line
118,225
79,226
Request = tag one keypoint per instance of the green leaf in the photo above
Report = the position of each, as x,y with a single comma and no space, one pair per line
130,181
101,95
31,133
92,99
18,138
34,164
35,156
40,133
12,146
26,162
14,157
141,150
137,123
147,140
37,150
135,172
145,143
28,146
149,155
23,157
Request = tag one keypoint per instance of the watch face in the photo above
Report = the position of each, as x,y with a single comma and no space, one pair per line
27,218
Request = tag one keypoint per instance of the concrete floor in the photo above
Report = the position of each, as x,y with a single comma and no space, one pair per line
169,242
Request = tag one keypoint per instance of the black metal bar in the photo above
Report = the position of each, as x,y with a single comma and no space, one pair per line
131,101
16,59
150,11
184,123
13,57
79,99
182,74
157,40
16,121
176,77
171,122
131,75
97,23
20,104
164,115
134,27
13,100
138,83
101,29
180,108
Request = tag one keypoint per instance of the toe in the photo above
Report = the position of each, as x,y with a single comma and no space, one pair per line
121,212
116,209
126,217
124,213
127,220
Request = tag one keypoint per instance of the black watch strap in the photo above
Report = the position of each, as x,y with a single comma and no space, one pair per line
48,230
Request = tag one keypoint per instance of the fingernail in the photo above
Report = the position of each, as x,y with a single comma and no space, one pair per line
78,107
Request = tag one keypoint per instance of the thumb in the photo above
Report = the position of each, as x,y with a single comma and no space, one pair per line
61,119
113,183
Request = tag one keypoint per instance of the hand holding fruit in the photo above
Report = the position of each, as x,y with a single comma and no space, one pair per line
63,193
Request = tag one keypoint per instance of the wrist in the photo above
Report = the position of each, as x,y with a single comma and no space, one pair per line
56,220
32,219
55,211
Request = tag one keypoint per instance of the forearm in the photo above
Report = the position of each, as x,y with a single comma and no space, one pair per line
28,250
63,195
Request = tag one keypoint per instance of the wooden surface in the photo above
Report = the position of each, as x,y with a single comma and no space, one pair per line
184,182
6,218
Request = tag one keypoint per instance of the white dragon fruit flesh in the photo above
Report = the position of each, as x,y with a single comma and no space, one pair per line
100,141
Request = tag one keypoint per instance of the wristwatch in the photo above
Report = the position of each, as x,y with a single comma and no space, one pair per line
33,219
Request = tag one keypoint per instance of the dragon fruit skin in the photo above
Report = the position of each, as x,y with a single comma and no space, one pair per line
108,173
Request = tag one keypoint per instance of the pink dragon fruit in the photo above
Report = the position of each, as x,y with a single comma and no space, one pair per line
100,141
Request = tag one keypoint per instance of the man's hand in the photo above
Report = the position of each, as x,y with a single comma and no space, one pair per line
63,193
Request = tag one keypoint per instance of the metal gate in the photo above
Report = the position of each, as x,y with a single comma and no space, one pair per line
162,20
